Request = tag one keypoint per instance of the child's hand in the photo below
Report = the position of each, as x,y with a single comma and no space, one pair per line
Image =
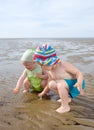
38,75
16,91
41,94
79,87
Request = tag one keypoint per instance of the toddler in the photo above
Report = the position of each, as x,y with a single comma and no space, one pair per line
33,76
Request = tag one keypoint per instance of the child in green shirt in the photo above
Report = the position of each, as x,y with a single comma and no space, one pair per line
33,76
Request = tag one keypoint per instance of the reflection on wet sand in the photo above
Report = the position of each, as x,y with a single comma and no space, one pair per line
31,113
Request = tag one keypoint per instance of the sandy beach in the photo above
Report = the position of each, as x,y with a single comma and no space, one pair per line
26,111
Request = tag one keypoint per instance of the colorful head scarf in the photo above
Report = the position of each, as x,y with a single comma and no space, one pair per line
46,55
28,55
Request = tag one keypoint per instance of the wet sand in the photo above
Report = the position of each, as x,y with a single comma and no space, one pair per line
27,112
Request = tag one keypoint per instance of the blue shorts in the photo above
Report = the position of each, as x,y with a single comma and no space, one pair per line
73,91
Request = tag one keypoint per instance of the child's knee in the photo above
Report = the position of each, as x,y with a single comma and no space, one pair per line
52,84
26,83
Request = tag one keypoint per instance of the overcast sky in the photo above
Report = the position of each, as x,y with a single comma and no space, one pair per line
46,18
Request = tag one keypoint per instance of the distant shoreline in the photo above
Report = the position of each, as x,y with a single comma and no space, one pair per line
47,38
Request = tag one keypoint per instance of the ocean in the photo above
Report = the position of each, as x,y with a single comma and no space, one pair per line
27,112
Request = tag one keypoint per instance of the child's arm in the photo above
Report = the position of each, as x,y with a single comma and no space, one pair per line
20,82
45,91
44,75
73,70
79,82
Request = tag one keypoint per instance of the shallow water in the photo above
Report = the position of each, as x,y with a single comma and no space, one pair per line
27,112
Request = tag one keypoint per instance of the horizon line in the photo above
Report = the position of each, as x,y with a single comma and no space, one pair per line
40,37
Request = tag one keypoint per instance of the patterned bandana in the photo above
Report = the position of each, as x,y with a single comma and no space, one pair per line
46,55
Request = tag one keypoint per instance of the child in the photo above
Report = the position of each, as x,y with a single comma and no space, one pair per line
32,76
64,78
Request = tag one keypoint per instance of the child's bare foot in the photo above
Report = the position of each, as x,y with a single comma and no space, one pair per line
59,100
25,91
16,91
63,109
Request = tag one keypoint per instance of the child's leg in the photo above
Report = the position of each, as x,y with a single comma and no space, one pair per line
59,100
26,85
43,83
53,86
64,96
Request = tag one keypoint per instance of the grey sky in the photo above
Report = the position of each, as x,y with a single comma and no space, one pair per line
46,18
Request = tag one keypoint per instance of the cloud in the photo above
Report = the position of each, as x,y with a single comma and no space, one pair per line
49,18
